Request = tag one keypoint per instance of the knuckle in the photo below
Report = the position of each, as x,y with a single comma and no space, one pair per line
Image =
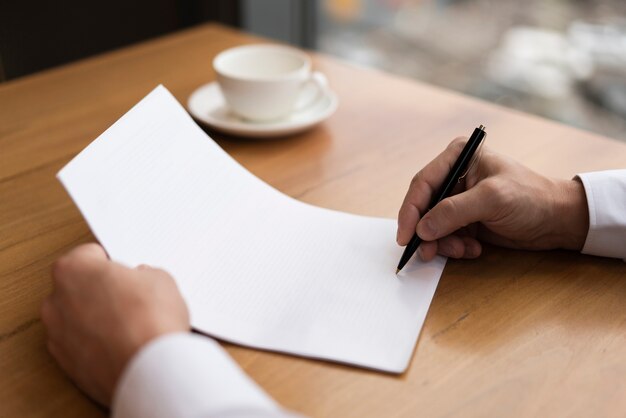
448,209
401,215
497,192
457,143
87,250
165,276
78,262
491,188
454,251
416,178
158,275
62,267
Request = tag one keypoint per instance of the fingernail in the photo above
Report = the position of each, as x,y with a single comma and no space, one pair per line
420,253
427,229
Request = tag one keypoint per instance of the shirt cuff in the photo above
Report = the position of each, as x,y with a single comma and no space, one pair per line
187,375
606,198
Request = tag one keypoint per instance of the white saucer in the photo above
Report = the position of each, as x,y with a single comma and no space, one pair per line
206,104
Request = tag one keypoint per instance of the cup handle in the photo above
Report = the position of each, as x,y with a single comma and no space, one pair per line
320,83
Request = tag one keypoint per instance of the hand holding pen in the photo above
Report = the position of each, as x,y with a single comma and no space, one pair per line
456,173
499,201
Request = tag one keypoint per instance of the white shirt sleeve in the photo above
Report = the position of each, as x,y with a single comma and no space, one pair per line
187,375
606,198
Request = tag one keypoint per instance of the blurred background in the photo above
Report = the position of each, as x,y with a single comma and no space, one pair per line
561,59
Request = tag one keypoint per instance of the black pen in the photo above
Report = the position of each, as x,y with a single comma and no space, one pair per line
458,171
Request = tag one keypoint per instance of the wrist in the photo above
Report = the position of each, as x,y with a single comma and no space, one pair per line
571,214
131,345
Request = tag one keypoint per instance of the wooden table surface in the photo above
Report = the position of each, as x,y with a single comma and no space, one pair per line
513,333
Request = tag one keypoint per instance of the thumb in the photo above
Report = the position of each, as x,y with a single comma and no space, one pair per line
453,213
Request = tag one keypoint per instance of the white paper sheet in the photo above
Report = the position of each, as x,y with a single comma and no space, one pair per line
256,267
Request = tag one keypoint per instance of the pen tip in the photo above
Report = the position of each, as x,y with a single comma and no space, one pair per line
397,271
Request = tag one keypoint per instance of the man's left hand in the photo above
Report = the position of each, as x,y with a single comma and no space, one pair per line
101,313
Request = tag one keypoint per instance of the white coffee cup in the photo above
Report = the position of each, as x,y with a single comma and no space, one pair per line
267,82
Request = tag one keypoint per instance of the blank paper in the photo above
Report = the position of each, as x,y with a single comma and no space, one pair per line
256,267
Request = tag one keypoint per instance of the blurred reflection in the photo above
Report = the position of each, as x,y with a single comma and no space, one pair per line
563,59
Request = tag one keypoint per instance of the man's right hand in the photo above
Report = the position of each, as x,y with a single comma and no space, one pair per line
500,202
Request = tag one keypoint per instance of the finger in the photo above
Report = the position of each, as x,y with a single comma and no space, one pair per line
58,353
451,246
153,273
51,318
455,212
427,250
456,246
79,262
423,186
90,250
408,217
144,267
473,248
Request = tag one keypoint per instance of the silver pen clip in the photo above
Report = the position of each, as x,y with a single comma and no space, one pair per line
477,155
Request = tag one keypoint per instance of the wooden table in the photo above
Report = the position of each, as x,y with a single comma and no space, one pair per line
511,334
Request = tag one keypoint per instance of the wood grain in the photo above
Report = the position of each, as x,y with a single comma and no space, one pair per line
511,334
